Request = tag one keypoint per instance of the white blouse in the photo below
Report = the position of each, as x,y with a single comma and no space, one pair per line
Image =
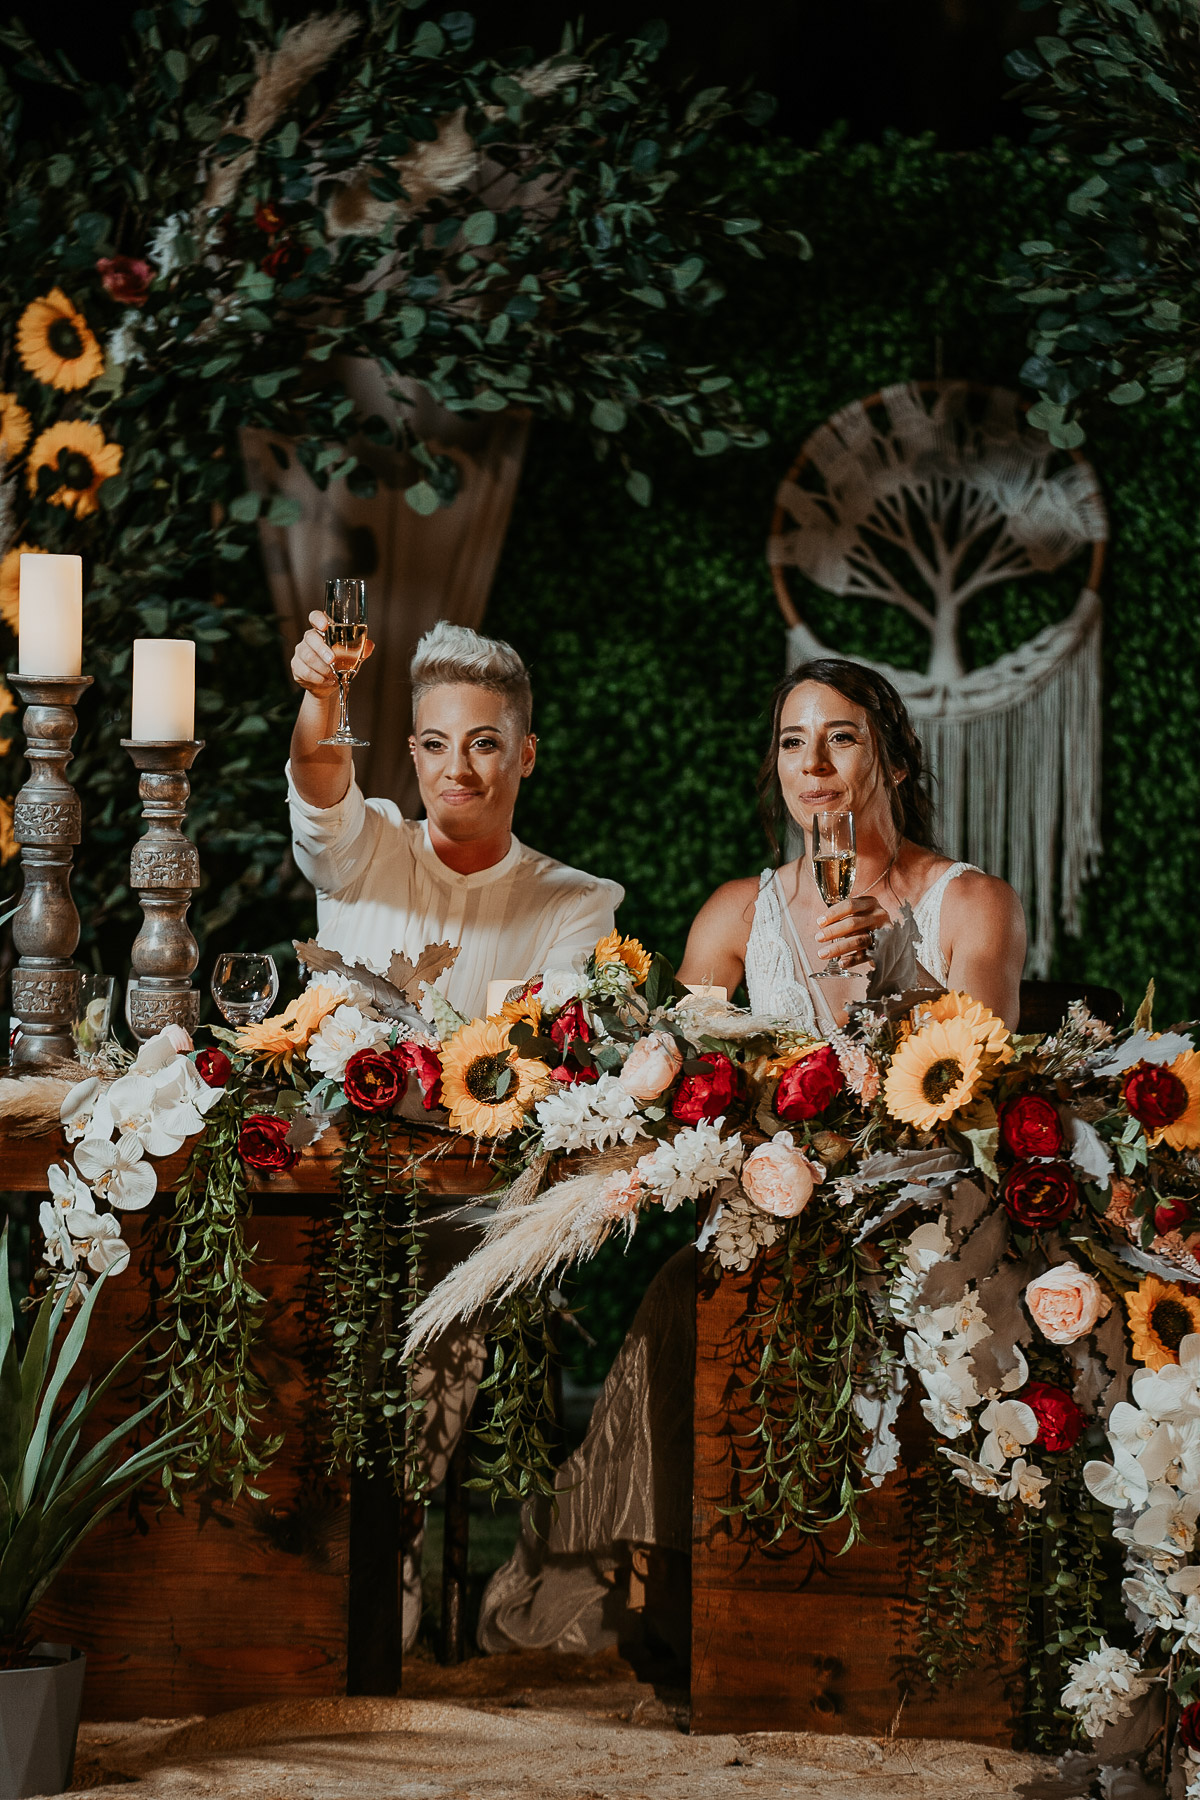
382,887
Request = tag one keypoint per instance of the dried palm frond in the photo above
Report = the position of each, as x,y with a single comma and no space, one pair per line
703,1016
547,77
30,1104
303,52
523,1245
527,1186
435,166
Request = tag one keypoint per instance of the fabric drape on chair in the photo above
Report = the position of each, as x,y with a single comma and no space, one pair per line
418,569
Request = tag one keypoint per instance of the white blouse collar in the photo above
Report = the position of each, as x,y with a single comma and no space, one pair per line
481,878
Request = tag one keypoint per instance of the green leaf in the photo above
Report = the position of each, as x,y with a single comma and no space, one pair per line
423,498
608,415
1127,394
479,228
427,39
176,65
638,487
246,508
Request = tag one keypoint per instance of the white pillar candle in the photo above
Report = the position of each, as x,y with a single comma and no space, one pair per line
164,690
50,627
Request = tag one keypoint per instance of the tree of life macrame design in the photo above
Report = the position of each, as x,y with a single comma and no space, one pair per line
923,497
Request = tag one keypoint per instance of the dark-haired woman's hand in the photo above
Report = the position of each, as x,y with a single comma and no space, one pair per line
845,931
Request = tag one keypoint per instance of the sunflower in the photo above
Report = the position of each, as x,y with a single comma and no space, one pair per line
1161,1315
277,1040
82,459
990,1033
485,1085
14,426
614,948
10,582
525,1007
7,705
934,1073
1183,1133
9,846
55,343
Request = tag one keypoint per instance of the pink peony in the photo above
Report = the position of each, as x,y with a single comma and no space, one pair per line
779,1179
1065,1303
651,1066
621,1195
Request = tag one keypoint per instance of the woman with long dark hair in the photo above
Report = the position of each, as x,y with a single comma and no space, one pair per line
841,741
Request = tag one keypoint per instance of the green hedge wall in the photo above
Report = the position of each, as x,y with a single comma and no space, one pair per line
655,638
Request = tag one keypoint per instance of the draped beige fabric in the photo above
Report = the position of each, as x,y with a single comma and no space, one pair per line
418,570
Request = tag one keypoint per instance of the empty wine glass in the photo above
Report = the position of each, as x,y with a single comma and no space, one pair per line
244,986
346,635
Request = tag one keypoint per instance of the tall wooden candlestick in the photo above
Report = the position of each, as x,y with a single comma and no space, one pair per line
47,821
165,871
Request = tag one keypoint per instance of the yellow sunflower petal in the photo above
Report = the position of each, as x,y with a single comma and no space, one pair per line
1161,1314
1183,1133
14,426
81,456
9,846
933,1074
10,582
472,1063
990,1032
56,344
615,948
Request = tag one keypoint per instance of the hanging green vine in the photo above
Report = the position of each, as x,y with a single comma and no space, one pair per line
1061,1614
372,1283
953,1619
810,1327
214,1316
521,1389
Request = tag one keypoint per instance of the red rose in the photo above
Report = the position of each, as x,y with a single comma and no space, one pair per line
213,1067
570,1024
570,1073
283,259
1060,1422
419,1060
1189,1725
806,1089
1030,1126
1155,1096
268,217
125,278
1169,1215
711,1095
1038,1194
372,1082
263,1145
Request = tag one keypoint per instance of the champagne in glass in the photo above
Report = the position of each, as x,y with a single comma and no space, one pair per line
346,635
834,862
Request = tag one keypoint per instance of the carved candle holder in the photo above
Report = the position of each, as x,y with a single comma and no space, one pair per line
164,870
47,822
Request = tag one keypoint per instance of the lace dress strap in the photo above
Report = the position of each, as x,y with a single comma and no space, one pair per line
771,973
928,916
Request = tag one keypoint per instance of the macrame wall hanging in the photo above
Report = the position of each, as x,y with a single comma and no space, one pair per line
924,496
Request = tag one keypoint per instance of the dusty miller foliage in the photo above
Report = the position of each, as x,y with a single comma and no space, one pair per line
1113,289
575,238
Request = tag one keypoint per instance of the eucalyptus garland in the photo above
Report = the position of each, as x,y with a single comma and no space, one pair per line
521,1391
213,1317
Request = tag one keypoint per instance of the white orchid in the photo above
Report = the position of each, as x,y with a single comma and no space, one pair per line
85,1111
1149,1602
1010,1426
927,1245
878,1409
950,1393
136,1107
342,1034
1185,1581
66,1189
118,1172
59,1250
1120,1483
1102,1687
104,1248
1173,1389
973,1474
1129,1428
160,1050
1168,1521
1025,1484
965,1319
1187,1625
1173,1453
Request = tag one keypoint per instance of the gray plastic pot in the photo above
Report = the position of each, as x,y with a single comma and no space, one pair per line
39,1722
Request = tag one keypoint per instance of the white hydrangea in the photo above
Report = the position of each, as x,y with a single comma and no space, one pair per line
928,1245
166,248
342,1034
589,1116
696,1161
560,987
1102,1686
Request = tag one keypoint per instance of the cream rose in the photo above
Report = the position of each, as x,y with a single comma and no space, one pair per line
651,1067
1065,1303
779,1179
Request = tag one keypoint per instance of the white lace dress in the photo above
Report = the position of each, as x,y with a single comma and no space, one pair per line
625,1497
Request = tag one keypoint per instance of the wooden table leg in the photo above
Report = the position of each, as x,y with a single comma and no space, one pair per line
374,1647
455,1548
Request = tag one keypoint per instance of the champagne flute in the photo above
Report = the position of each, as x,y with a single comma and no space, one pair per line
346,635
834,861
244,986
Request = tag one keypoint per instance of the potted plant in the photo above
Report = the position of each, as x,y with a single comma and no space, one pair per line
53,1492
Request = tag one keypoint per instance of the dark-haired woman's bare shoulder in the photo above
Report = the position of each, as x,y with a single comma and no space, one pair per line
716,946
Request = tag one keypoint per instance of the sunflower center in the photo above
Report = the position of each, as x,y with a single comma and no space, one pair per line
64,340
939,1078
483,1074
1171,1322
75,469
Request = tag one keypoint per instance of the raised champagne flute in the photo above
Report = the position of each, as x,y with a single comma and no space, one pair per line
346,635
834,861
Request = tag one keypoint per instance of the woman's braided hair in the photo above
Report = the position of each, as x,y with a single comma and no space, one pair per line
896,745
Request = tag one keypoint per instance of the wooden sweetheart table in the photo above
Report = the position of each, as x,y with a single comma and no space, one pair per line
296,1597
